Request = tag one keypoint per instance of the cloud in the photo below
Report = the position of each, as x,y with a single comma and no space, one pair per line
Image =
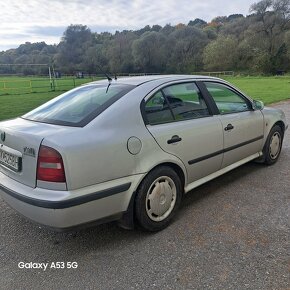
44,20
46,30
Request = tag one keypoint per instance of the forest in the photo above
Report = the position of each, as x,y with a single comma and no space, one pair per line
255,44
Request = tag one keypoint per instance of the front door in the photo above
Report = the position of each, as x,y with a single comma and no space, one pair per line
243,127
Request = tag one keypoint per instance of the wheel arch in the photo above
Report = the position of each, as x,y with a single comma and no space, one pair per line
176,168
281,125
128,219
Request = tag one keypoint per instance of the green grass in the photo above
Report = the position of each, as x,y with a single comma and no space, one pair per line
19,95
19,85
12,106
267,89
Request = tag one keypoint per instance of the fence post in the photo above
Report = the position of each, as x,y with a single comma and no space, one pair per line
53,84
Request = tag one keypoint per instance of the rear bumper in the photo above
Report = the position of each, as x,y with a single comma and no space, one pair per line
67,209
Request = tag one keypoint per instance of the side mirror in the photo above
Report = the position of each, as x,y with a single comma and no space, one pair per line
258,105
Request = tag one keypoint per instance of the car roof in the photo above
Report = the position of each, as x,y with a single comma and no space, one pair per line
139,80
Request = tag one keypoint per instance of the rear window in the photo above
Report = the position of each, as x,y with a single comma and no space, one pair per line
79,106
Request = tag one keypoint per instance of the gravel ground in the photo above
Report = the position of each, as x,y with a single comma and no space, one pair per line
232,233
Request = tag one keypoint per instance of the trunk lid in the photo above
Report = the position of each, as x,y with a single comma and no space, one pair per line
19,145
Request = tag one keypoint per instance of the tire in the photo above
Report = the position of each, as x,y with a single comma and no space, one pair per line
158,199
273,145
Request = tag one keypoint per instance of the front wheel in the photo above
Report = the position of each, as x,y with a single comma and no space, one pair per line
158,198
273,145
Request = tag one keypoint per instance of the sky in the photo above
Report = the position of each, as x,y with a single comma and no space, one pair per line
46,20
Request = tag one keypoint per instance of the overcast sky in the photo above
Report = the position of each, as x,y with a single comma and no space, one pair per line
46,20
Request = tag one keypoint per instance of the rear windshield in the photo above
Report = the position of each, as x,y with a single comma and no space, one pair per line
79,106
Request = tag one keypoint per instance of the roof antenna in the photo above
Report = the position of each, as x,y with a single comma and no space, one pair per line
108,86
107,76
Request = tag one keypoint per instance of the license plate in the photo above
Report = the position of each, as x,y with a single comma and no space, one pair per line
9,160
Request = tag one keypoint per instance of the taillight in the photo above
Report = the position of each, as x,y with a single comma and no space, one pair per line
50,165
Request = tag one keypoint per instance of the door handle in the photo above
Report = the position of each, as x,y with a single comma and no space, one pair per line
174,139
229,127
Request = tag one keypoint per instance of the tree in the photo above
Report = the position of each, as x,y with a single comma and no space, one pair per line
143,30
220,20
148,52
234,17
221,54
272,20
186,46
156,28
167,29
261,7
259,42
211,32
72,47
287,42
119,52
197,22
237,28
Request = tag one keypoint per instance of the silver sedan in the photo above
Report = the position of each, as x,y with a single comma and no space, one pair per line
129,149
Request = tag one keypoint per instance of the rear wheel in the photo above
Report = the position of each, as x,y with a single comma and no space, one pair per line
158,198
273,145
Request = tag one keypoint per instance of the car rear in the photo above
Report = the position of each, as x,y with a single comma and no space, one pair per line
20,146
34,170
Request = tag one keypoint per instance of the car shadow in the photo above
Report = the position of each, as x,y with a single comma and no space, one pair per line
214,185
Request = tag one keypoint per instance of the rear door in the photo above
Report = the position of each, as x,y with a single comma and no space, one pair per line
243,127
181,121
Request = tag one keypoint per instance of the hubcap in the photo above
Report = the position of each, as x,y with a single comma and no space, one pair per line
275,145
160,198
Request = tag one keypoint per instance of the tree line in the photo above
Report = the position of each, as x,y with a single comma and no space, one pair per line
257,43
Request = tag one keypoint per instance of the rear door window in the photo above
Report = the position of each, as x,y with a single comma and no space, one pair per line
157,110
186,101
176,103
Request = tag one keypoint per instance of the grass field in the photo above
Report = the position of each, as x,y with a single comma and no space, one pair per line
18,95
19,85
26,96
266,89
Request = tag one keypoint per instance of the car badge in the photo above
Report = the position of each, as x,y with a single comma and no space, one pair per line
29,151
3,136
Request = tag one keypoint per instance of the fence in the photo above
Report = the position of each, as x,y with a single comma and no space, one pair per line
25,85
22,85
215,74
